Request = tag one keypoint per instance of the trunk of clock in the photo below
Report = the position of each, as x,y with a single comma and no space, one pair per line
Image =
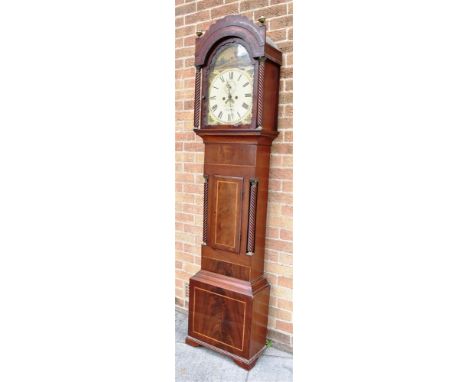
228,309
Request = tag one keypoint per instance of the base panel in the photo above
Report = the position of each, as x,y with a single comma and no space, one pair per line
229,316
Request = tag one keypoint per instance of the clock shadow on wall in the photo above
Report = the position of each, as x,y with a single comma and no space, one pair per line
235,113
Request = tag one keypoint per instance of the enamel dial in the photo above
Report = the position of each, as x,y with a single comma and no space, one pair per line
230,97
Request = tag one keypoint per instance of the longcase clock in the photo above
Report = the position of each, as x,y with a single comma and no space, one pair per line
235,113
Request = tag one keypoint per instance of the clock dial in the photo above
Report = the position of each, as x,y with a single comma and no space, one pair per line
230,96
230,87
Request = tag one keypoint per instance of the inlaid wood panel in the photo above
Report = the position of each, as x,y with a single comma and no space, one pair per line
219,318
230,154
226,268
225,225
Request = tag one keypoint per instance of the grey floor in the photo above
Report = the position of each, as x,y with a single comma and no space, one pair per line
204,365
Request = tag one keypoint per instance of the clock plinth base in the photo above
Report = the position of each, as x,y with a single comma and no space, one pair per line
246,364
229,316
191,342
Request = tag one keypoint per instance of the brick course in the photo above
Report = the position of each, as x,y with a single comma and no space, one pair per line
191,16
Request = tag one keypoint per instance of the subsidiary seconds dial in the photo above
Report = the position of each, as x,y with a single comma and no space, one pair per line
230,97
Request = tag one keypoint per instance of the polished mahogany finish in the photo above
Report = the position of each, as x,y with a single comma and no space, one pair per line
229,296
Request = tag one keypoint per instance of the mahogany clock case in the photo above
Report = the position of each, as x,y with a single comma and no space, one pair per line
229,296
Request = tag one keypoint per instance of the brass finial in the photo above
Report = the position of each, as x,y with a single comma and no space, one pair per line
262,20
199,33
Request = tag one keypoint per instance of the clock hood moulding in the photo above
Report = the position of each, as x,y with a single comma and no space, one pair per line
241,27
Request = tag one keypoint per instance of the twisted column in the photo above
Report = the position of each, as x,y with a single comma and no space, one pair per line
252,217
261,78
196,108
205,210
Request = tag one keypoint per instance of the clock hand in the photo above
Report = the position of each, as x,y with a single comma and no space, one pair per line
229,95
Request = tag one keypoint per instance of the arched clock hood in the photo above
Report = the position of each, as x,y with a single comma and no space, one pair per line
240,27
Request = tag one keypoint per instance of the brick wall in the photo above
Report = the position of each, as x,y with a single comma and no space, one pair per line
191,16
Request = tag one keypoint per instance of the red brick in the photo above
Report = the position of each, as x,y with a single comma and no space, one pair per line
287,111
205,4
184,73
252,4
203,26
191,208
278,35
193,188
280,22
274,185
272,233
229,9
287,211
280,245
284,304
179,21
184,177
197,17
248,14
286,97
181,256
184,137
189,248
273,11
179,43
287,136
286,122
181,217
184,52
193,146
284,326
282,148
285,259
189,41
193,167
286,72
185,31
189,83
287,186
281,197
281,173
184,9
285,282
192,229
286,234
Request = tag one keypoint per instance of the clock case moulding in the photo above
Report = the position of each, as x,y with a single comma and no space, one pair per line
229,296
